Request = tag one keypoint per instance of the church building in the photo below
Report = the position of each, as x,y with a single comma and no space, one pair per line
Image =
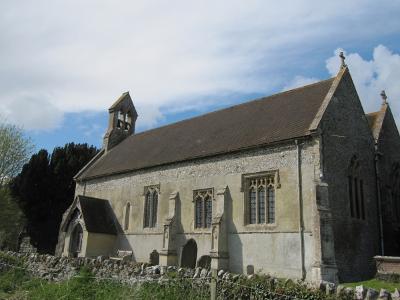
301,184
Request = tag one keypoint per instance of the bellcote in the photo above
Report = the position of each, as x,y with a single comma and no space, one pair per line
121,121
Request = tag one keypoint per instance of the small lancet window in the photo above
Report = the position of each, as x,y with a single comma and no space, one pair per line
260,200
127,216
203,208
150,207
356,190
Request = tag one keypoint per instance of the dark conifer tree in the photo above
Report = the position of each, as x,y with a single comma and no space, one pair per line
45,188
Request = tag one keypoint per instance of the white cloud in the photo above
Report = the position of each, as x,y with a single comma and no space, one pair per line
33,112
83,54
370,77
298,81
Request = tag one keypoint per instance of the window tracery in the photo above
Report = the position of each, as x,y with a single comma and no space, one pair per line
260,200
203,208
356,190
151,206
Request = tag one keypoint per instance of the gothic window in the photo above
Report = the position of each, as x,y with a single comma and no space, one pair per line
260,199
127,216
271,204
154,209
150,206
356,190
203,208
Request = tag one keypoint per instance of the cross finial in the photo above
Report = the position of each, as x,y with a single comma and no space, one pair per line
342,57
384,97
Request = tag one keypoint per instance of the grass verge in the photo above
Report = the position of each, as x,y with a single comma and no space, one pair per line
376,284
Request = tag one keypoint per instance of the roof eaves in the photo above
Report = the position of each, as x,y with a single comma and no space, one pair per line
88,165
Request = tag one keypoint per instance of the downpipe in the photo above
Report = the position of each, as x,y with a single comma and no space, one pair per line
301,215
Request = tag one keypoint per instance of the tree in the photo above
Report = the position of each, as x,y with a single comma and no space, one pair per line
15,149
11,220
45,189
14,152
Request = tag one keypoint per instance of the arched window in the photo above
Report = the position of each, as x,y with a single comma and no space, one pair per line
253,206
127,216
199,212
260,199
150,206
356,190
154,209
147,206
208,210
271,204
261,204
203,208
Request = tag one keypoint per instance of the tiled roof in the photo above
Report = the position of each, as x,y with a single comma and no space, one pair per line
375,120
98,215
279,117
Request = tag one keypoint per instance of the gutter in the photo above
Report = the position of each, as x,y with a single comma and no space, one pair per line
301,215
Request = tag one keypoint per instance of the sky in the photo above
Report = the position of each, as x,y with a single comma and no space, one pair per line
63,63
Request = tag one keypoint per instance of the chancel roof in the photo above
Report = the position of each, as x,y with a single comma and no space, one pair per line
375,121
267,120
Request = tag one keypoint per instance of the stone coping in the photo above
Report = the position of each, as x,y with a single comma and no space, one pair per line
388,258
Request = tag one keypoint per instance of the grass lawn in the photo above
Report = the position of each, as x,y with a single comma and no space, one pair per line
376,284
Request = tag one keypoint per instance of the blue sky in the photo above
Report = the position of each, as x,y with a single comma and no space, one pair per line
63,63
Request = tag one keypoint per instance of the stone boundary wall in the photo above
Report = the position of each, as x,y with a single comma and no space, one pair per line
56,268
388,264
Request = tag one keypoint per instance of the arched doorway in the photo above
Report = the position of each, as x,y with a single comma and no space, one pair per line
76,240
189,255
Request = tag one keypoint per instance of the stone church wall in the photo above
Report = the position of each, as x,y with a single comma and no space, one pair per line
273,249
345,133
389,149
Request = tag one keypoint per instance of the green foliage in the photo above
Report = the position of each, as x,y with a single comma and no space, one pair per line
15,149
390,277
10,260
183,288
45,189
10,280
376,284
11,220
264,287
